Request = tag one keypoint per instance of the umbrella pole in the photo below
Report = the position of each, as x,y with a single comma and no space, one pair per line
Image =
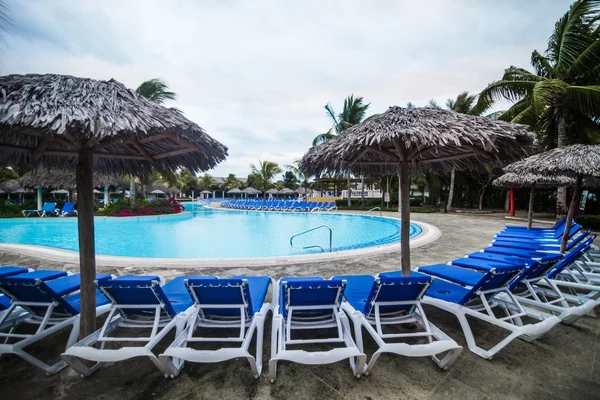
87,251
571,214
405,218
530,212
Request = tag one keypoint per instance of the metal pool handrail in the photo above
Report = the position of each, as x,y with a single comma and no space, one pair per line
373,209
313,246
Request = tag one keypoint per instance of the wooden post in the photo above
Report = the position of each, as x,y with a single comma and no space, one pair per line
530,212
512,202
349,190
87,250
572,207
405,218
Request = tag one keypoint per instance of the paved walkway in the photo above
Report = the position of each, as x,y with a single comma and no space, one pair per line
564,364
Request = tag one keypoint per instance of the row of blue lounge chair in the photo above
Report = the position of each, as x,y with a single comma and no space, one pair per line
520,276
49,209
280,205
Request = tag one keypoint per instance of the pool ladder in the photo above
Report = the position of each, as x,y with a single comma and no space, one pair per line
316,245
373,209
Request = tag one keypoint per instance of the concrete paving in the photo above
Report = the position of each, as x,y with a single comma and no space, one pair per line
564,364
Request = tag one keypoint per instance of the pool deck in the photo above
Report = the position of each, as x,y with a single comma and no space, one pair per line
564,364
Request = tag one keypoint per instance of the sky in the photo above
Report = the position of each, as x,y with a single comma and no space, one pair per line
256,74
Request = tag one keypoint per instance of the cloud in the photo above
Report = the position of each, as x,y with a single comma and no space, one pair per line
256,74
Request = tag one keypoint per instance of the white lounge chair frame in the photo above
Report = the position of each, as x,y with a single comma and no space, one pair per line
160,324
281,337
512,322
177,353
439,342
46,327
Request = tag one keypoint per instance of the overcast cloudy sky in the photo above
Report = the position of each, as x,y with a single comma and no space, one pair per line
256,74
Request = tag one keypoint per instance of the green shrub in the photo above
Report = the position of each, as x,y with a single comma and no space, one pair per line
589,221
143,207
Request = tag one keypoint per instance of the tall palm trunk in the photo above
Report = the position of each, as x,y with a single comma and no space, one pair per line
481,195
132,190
561,193
451,191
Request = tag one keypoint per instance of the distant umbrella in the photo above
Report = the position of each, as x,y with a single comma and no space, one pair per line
531,181
286,191
157,191
234,191
577,161
206,192
96,191
272,191
60,191
2,191
251,190
21,191
303,190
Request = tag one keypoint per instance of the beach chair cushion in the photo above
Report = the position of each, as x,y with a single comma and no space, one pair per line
10,270
46,287
452,273
237,290
503,258
310,291
450,292
362,291
136,290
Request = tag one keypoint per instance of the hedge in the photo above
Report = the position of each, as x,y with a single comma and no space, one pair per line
589,221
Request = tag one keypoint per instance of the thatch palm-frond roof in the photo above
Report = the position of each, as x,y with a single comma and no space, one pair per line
10,185
574,160
48,119
510,180
64,179
428,139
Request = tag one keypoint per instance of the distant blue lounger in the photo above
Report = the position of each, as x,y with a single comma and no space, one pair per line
236,303
468,292
67,208
311,303
138,302
52,304
374,303
47,209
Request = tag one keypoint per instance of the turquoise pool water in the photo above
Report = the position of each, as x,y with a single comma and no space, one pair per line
209,233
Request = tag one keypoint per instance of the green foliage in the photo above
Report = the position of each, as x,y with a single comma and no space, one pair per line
263,174
156,90
560,100
290,180
589,221
354,112
142,208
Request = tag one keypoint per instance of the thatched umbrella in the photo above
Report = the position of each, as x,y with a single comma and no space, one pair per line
422,139
531,181
577,161
286,191
64,122
250,190
234,191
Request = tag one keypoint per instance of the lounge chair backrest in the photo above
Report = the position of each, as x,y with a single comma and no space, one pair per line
4,272
213,290
311,292
570,257
392,289
43,286
320,204
49,207
325,204
68,207
136,290
560,224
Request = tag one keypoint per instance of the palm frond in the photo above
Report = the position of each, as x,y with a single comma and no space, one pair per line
156,90
584,99
323,137
542,65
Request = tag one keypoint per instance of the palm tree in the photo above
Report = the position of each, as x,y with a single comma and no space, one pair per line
206,181
354,112
156,90
290,180
264,174
231,182
560,100
295,170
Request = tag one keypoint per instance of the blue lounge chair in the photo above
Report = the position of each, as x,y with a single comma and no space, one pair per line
468,292
236,303
67,208
331,207
52,304
311,303
376,302
138,302
558,225
47,209
5,301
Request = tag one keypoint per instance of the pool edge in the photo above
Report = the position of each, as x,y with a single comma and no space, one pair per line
428,235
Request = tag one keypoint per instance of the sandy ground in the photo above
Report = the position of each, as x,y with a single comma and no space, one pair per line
564,364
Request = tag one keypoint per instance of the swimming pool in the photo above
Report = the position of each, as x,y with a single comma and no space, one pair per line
209,233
